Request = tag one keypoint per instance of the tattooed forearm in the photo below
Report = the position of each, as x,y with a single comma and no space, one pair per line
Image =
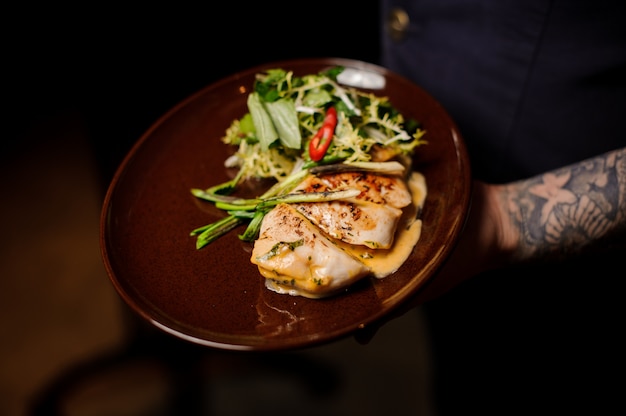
570,209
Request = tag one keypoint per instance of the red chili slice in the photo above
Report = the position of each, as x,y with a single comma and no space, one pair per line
321,141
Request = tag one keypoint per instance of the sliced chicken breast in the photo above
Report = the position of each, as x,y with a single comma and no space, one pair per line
368,220
375,188
296,258
359,223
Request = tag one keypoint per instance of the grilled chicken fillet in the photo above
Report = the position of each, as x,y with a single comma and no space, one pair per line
369,219
296,258
315,249
375,188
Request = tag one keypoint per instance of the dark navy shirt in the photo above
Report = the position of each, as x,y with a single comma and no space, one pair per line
532,84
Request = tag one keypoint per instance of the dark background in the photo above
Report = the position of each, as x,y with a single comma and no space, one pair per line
122,69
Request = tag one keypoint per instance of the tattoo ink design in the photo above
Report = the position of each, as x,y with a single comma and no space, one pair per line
561,212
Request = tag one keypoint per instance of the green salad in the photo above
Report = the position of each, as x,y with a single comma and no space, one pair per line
296,126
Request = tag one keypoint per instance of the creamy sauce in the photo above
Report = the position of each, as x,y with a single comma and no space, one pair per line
381,262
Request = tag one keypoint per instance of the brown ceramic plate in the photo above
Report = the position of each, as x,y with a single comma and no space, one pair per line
215,296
